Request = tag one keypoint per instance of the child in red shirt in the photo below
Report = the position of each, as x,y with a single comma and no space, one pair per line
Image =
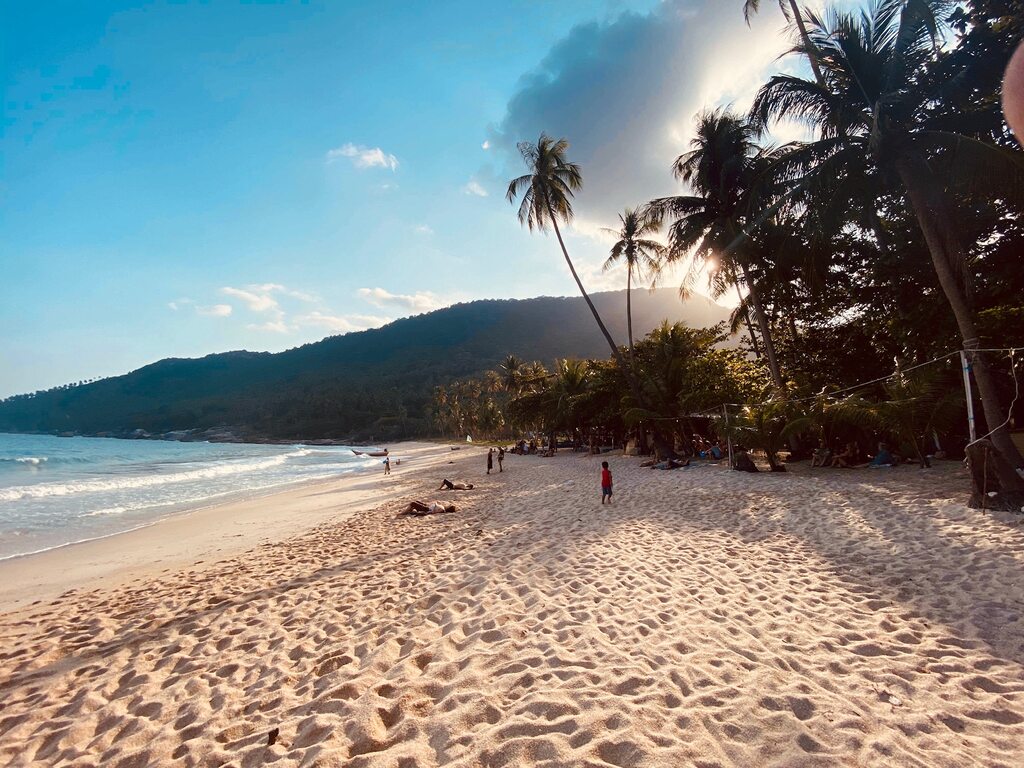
606,483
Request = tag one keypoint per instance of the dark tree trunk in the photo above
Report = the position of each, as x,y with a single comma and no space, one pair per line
988,467
766,333
934,217
746,319
811,49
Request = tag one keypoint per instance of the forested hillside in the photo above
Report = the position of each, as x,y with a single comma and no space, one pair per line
373,384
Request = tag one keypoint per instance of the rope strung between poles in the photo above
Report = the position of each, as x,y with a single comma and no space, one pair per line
862,385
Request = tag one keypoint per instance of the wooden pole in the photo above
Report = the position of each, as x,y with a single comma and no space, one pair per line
728,435
971,427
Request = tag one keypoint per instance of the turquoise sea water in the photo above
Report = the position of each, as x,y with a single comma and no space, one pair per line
56,491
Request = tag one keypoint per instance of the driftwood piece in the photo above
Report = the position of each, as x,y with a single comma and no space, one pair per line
987,466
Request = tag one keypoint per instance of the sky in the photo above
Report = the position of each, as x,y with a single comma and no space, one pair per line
179,179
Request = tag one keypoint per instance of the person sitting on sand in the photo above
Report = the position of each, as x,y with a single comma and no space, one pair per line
447,484
743,463
421,509
883,458
821,455
847,458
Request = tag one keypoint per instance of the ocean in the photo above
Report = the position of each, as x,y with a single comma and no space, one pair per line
56,491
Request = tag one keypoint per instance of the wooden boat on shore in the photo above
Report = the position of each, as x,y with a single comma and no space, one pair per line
373,454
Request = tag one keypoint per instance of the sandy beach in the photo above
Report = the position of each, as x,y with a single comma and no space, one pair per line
708,618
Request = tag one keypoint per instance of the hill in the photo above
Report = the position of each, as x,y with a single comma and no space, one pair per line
372,384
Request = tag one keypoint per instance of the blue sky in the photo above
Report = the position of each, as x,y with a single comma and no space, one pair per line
187,178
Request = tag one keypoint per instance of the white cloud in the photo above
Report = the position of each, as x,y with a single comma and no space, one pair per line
363,157
215,310
485,145
277,309
256,297
341,323
423,229
658,69
271,326
418,302
473,188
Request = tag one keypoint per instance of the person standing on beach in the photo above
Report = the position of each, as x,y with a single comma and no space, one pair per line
490,460
606,483
501,458
387,465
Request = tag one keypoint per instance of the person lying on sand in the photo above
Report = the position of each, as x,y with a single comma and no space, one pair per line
447,484
421,509
671,464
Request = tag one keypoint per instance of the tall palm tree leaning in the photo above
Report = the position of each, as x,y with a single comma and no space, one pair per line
545,195
641,255
789,9
874,108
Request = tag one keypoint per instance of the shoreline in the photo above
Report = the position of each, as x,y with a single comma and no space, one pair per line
181,536
219,500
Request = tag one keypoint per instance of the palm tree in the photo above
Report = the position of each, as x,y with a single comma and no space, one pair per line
511,372
545,199
641,255
875,107
722,169
790,8
546,194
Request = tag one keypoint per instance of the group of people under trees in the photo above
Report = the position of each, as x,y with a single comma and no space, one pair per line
850,456
532,448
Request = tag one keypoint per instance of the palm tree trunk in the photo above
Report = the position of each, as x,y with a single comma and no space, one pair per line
766,333
629,308
794,334
943,244
746,318
811,49
616,353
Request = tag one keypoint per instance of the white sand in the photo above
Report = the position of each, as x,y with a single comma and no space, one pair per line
708,618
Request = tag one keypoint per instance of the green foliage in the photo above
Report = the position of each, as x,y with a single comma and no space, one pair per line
684,371
764,427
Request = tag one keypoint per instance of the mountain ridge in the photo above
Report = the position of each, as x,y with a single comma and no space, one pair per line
361,384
